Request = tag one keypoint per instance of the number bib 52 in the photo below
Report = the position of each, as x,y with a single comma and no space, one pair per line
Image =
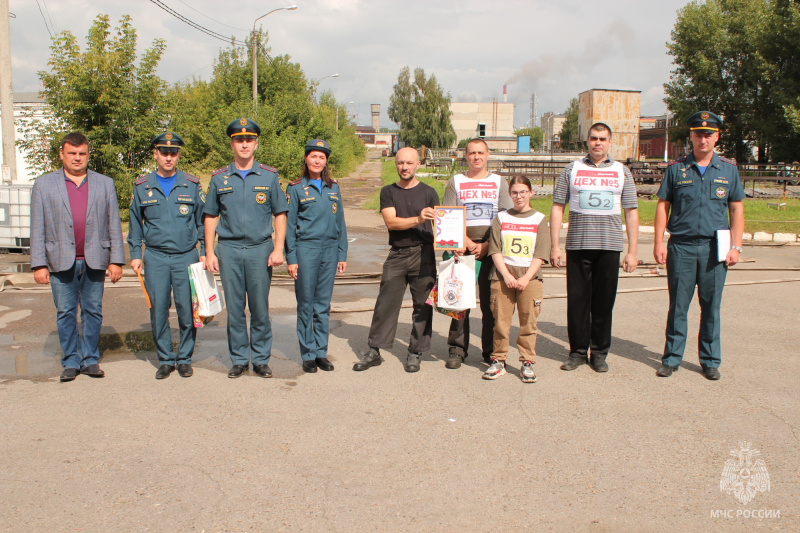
596,191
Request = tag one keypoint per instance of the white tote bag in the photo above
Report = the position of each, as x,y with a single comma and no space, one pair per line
457,283
209,298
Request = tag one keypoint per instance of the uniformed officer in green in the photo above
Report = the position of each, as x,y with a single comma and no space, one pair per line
700,194
166,215
316,249
242,200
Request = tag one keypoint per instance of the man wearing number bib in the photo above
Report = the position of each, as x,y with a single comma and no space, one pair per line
483,194
597,189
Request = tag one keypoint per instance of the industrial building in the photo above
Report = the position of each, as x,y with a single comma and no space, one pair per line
620,110
551,124
489,120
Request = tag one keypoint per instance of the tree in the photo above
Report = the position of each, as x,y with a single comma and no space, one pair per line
569,130
739,59
422,111
536,134
286,112
102,93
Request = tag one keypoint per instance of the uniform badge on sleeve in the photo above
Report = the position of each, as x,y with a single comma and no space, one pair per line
334,207
720,192
261,198
184,209
202,197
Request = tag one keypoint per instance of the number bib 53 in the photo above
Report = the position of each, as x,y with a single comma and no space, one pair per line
518,236
596,191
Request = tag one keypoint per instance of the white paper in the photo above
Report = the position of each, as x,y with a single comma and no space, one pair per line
723,244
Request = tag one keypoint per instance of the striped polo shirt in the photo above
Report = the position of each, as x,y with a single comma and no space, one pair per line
595,232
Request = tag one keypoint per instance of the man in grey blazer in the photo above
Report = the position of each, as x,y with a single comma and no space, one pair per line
76,240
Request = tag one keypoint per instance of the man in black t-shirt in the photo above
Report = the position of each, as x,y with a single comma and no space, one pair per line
407,209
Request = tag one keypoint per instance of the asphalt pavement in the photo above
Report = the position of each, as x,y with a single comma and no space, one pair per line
384,450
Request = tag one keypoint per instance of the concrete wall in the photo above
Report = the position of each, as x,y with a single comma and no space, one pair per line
620,110
467,115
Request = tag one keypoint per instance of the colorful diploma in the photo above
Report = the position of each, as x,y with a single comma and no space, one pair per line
450,228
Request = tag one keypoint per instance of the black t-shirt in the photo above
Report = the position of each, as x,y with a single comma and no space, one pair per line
409,203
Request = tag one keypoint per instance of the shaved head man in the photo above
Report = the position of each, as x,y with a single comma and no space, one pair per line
407,209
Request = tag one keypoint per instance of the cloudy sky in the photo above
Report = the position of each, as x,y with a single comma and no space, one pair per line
556,48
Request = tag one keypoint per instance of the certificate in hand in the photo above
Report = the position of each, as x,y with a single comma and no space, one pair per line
450,228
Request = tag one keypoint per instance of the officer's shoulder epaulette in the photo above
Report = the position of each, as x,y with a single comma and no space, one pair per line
267,167
191,178
219,171
726,160
140,180
298,181
679,160
334,182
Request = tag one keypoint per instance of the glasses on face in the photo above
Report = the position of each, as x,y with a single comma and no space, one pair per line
516,194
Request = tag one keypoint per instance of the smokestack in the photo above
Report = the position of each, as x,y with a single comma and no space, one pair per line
376,117
505,94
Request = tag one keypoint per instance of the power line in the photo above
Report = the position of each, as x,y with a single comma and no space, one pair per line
207,31
44,19
46,10
211,18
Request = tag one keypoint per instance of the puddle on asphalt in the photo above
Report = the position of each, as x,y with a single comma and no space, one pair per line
211,351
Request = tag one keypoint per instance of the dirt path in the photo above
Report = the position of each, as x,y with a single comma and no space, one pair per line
357,188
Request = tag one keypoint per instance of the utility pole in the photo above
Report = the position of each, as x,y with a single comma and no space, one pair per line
666,138
6,92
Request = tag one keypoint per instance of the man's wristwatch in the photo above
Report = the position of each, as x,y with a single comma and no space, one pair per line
737,248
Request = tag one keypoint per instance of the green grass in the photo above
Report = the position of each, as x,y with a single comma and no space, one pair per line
389,176
757,216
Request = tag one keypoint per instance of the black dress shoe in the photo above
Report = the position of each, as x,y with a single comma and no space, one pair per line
454,361
665,371
164,371
93,371
324,364
309,366
263,371
69,374
185,370
711,373
599,365
237,370
573,362
371,358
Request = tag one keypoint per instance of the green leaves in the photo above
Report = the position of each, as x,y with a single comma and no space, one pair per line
569,130
102,93
739,59
422,111
286,112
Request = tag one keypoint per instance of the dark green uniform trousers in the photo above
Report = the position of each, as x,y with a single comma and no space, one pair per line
313,288
246,278
693,262
162,271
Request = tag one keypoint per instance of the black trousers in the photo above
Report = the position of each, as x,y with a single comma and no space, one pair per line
592,277
413,267
458,336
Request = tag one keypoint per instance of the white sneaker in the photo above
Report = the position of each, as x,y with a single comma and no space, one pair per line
495,370
527,372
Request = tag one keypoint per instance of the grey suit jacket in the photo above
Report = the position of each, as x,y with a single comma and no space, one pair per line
52,234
